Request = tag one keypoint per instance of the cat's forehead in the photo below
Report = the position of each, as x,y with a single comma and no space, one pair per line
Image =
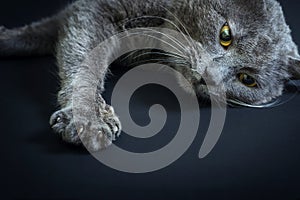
250,14
258,26
245,17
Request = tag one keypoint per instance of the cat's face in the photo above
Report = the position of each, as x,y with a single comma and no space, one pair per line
245,45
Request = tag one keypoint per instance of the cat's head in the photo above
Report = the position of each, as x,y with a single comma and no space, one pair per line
245,45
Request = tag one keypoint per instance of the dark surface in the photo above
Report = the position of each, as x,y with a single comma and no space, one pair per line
257,156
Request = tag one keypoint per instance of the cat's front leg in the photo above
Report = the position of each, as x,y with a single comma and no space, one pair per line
84,116
81,129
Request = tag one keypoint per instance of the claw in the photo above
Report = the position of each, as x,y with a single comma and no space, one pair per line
80,130
58,119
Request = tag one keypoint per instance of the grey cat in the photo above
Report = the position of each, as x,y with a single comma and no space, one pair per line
248,47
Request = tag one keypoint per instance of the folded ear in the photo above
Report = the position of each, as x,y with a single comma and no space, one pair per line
294,66
258,4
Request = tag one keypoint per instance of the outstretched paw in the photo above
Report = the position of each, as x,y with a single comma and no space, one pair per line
94,135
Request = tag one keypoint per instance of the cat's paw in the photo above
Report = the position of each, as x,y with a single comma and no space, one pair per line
95,136
6,34
62,123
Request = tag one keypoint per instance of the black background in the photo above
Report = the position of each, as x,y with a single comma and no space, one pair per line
257,156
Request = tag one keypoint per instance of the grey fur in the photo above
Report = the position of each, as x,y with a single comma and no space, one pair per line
262,47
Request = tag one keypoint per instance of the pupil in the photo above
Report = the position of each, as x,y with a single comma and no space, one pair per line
225,36
248,80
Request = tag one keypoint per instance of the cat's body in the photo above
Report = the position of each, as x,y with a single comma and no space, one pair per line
254,66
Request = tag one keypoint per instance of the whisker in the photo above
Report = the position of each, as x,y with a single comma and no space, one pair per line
161,40
166,61
163,61
142,33
128,55
181,58
190,39
235,102
173,39
283,99
166,20
185,29
160,54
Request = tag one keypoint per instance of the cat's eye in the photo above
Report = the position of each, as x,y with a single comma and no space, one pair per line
247,80
225,36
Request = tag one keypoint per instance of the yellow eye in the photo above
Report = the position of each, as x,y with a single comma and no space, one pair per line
225,36
247,80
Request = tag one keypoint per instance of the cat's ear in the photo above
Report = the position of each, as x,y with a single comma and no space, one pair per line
261,4
294,65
